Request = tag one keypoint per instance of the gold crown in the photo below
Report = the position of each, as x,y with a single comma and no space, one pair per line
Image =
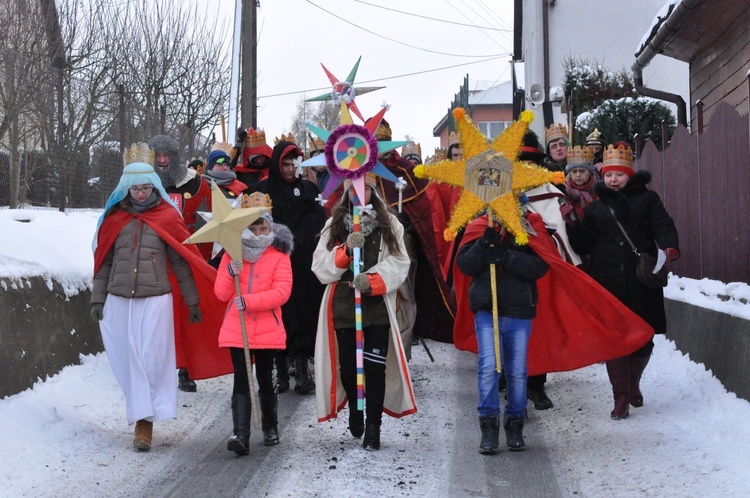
225,148
441,154
285,138
411,147
317,144
580,155
255,138
138,153
383,132
555,131
453,138
257,199
622,155
595,137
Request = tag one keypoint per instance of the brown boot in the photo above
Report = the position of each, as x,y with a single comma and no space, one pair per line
619,376
143,432
637,366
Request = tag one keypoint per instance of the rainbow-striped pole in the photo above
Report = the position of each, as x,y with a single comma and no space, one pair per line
359,334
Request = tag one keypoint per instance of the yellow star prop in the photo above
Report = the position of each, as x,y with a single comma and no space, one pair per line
226,224
490,176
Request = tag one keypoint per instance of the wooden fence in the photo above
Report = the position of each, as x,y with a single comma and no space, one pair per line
704,182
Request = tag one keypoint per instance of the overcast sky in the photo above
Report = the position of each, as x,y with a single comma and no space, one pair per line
296,36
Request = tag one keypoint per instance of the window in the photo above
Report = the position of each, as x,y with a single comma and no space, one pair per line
491,129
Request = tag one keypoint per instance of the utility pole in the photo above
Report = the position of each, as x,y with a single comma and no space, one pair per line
249,95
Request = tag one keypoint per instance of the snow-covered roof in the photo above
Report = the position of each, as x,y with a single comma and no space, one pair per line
498,94
656,23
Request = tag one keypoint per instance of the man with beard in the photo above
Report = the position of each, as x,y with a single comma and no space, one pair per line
191,194
295,205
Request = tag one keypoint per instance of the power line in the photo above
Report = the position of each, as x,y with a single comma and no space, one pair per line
432,18
396,41
390,77
467,18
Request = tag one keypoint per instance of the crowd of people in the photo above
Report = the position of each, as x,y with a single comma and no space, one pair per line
296,299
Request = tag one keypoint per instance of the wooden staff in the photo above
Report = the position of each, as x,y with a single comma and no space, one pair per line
248,361
493,283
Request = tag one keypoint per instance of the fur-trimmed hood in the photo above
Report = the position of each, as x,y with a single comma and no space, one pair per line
283,239
617,199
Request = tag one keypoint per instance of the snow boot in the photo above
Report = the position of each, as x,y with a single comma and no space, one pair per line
637,366
269,409
514,433
619,376
356,420
143,433
184,382
536,393
239,442
303,382
282,373
490,427
371,442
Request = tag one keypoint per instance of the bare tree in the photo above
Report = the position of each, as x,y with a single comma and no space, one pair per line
322,114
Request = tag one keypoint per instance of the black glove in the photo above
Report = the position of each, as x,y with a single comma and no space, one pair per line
239,140
490,237
495,256
97,311
195,314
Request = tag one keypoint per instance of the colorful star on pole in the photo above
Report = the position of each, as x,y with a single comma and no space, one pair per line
490,176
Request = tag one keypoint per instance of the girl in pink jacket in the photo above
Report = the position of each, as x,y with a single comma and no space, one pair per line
265,284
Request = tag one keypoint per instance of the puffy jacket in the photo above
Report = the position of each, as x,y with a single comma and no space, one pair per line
136,267
517,270
265,285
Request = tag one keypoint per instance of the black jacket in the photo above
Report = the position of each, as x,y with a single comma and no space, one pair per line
517,270
613,263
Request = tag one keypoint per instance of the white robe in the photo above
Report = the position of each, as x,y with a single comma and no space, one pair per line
138,335
329,393
549,210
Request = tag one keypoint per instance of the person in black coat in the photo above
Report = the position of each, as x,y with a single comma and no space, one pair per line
623,195
295,205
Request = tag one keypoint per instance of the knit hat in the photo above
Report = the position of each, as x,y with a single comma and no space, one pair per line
580,157
618,157
217,157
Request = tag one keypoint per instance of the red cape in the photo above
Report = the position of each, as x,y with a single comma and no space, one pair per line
578,321
197,344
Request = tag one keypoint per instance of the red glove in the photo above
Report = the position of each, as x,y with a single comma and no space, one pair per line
671,253
568,212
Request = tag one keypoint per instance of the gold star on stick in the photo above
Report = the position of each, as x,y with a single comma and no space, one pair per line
226,225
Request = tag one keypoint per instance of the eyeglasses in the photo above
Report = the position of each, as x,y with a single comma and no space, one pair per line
143,188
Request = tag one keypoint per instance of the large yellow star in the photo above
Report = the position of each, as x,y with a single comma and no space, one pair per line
226,224
490,176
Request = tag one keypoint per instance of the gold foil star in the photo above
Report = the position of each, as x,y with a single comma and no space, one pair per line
490,176
226,224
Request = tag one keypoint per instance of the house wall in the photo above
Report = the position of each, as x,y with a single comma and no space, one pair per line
608,32
720,72
491,114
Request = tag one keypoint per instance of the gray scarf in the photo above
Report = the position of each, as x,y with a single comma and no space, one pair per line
222,178
254,245
140,207
367,224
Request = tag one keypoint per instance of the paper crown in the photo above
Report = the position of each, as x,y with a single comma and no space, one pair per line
383,131
595,138
440,154
580,155
138,153
285,138
555,131
369,180
411,147
225,148
453,138
317,144
255,138
622,155
257,199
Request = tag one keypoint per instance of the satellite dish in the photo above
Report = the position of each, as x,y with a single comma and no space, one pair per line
535,95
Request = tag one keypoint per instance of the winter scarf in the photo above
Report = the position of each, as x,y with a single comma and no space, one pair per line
581,193
253,245
222,178
367,224
150,202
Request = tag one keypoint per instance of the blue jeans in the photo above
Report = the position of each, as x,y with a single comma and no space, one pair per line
514,343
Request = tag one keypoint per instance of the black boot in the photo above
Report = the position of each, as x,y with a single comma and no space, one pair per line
536,393
490,427
356,420
184,382
637,366
303,382
282,373
371,442
269,409
239,442
514,433
619,376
